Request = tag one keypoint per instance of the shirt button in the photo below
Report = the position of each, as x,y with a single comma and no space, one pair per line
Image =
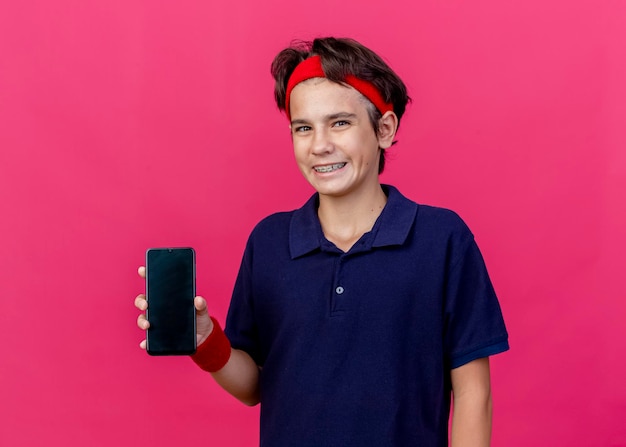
339,290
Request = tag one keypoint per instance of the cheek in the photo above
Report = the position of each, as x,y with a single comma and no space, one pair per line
366,147
297,151
300,157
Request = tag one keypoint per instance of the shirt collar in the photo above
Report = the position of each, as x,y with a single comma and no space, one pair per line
392,226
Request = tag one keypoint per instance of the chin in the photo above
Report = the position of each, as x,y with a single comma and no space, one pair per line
333,192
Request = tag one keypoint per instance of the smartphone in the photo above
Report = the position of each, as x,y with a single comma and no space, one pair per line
170,290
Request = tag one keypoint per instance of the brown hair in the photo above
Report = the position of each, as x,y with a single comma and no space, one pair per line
341,57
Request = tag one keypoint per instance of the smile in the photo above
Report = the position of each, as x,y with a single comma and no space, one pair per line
329,168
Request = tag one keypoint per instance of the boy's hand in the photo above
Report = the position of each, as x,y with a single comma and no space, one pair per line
204,325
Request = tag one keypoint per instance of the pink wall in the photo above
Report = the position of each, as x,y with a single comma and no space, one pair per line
517,123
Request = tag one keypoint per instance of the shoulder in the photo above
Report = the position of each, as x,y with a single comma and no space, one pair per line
280,222
300,226
435,232
443,232
427,218
273,221
273,226
440,220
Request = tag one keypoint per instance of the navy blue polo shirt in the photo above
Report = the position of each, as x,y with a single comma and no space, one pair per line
356,348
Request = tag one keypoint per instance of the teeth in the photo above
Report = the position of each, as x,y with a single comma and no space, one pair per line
329,168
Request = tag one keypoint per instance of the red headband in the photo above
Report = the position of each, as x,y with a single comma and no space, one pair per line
312,68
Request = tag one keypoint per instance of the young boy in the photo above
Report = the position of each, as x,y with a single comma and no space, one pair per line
354,318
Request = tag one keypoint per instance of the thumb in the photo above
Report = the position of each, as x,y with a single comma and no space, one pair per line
204,324
201,305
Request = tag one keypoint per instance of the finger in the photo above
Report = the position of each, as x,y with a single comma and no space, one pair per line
201,306
142,271
140,302
142,345
142,322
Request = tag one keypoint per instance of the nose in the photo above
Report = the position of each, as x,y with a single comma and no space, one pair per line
321,142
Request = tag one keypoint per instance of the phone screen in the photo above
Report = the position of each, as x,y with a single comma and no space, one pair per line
170,290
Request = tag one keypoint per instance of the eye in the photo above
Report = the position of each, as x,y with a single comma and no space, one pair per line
301,129
341,123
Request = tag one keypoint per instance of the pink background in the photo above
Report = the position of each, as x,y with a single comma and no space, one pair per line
518,123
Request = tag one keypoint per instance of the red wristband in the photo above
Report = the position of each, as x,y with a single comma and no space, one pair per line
214,353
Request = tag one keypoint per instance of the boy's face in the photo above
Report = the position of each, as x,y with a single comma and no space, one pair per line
334,143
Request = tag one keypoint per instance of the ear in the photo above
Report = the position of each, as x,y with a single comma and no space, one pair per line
387,127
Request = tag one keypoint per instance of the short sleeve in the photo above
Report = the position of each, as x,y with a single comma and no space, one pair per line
241,328
473,322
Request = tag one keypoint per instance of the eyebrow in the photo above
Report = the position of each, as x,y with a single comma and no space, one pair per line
331,117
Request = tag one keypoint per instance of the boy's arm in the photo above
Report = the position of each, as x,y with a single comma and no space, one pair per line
240,377
471,418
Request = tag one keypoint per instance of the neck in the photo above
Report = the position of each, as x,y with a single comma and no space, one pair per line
345,219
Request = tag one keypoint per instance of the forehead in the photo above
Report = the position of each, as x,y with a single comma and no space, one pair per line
319,95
